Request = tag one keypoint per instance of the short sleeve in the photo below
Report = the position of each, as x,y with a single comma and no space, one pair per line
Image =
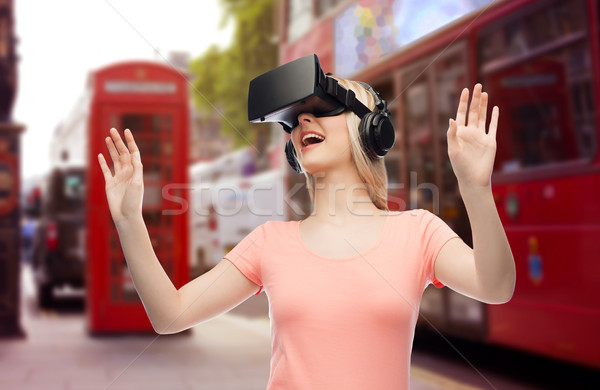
434,233
246,255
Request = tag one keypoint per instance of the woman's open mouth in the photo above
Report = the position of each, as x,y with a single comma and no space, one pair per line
311,140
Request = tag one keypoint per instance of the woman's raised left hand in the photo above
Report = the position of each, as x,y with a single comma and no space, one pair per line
470,148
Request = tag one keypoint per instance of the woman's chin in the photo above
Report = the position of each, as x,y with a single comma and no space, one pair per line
314,165
314,168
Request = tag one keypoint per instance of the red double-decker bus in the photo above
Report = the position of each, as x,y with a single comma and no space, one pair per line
539,62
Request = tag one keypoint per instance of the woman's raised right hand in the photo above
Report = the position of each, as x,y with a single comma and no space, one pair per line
124,190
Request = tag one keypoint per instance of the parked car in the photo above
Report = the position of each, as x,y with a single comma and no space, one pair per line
59,241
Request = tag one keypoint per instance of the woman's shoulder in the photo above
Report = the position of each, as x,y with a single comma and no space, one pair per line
411,217
406,213
411,212
279,225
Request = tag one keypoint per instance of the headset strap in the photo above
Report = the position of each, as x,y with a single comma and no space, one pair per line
379,102
348,97
286,128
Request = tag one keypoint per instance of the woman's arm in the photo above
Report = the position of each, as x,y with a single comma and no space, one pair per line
486,272
156,291
169,310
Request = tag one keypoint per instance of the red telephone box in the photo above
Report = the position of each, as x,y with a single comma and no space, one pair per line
152,101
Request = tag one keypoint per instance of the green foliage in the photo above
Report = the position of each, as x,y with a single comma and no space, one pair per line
221,76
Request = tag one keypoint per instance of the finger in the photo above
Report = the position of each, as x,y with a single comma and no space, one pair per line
138,174
452,129
104,167
494,122
474,108
136,158
130,141
119,142
461,113
114,155
483,111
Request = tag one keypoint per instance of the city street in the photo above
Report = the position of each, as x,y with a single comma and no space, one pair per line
176,133
228,352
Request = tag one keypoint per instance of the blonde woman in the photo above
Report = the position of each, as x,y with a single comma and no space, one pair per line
344,284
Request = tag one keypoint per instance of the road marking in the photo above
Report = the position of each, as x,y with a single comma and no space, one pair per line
438,381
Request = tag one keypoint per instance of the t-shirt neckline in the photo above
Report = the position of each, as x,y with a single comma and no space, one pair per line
342,259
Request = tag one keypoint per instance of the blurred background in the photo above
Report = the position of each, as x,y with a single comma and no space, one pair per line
177,75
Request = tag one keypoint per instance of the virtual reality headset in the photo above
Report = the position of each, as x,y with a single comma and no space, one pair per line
283,93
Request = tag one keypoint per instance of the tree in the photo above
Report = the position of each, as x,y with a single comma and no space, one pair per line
221,76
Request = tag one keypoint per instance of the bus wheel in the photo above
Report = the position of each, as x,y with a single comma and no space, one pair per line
44,296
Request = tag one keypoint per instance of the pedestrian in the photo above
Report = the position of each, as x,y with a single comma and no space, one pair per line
344,284
28,226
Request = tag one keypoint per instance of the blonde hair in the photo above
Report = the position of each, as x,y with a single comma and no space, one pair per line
372,172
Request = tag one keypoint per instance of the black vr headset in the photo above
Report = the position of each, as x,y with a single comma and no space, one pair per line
281,94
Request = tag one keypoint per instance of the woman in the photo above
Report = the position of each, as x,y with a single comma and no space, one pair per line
344,284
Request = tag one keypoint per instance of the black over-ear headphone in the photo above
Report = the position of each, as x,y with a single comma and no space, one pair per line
377,135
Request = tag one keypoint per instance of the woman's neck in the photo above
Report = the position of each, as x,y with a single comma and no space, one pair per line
341,197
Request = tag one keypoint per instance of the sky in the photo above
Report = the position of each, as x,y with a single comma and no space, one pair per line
60,41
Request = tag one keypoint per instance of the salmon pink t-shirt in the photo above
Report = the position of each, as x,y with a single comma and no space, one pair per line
345,323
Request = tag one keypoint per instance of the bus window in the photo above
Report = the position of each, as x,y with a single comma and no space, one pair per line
450,75
541,78
65,190
418,127
74,187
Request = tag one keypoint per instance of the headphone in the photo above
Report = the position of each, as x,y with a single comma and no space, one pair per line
376,131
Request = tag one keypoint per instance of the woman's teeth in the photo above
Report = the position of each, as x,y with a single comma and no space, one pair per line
307,136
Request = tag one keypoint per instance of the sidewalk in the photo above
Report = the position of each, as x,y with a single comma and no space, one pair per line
228,352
